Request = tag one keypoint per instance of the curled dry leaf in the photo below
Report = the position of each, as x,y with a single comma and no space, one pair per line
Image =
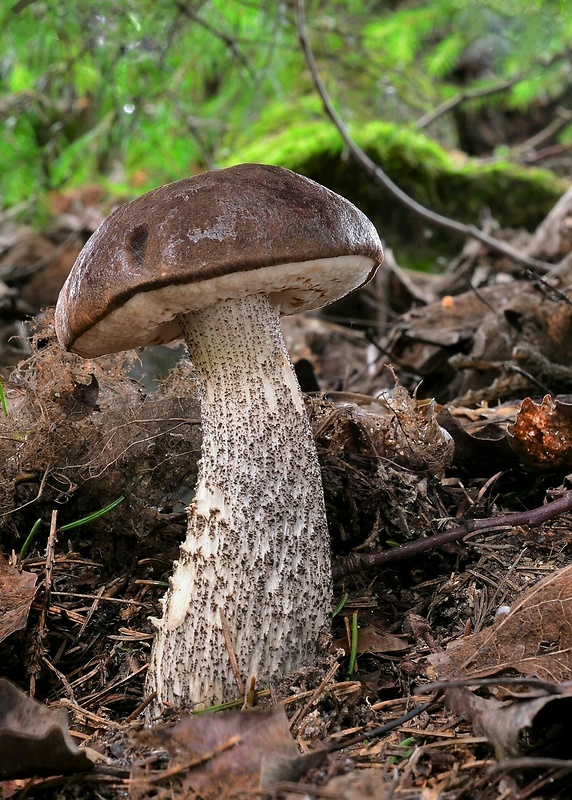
370,640
17,590
416,438
542,434
213,752
402,430
34,740
479,450
534,639
525,726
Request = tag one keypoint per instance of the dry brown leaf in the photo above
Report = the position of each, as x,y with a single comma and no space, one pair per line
479,450
34,740
522,727
542,434
418,442
367,784
212,753
403,430
535,638
370,640
17,590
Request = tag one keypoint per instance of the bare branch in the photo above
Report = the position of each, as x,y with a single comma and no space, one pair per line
464,97
476,94
380,176
229,41
357,562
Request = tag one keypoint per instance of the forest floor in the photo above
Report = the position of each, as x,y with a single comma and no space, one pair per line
441,407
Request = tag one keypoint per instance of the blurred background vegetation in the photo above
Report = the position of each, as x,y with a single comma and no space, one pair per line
129,94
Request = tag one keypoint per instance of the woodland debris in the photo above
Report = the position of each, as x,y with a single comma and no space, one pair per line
519,725
212,753
534,638
371,640
17,590
542,434
34,740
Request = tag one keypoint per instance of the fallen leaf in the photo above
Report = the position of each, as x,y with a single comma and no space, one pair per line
361,784
35,740
17,590
371,641
542,434
535,638
529,726
482,450
212,752
402,429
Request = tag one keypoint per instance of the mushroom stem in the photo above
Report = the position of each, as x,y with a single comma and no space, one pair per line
257,545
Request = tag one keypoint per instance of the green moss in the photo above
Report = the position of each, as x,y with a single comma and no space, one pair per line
449,183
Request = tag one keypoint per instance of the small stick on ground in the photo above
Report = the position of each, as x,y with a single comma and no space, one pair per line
231,654
358,562
301,713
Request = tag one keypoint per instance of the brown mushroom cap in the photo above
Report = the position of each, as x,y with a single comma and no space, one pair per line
244,230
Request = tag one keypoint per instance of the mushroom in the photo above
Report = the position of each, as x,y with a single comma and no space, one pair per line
217,258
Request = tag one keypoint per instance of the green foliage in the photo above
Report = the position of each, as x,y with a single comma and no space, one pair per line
145,91
142,88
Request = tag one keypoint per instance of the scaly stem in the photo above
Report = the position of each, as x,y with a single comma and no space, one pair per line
257,544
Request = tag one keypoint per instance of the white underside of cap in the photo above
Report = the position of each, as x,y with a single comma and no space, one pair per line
149,317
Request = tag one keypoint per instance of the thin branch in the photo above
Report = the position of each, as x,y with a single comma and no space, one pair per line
357,562
377,733
21,5
463,97
476,94
228,40
563,118
380,177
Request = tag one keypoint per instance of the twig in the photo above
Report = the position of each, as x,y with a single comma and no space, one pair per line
357,562
549,687
532,762
379,175
563,117
231,654
183,766
141,707
463,97
228,40
50,561
95,720
487,91
21,5
376,733
316,694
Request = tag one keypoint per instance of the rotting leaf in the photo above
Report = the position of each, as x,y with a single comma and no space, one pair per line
542,434
35,740
525,726
212,752
81,400
17,590
367,783
534,639
485,451
371,640
403,430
